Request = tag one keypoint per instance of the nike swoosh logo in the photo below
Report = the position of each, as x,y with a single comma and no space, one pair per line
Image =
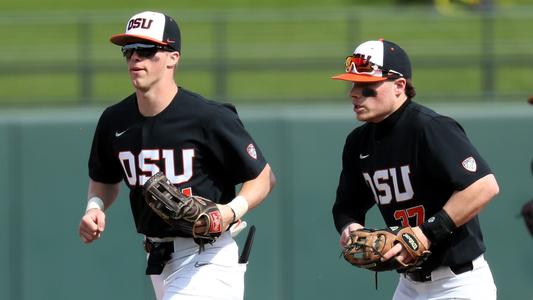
361,156
117,134
199,264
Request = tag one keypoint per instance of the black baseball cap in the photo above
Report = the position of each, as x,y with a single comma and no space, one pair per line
152,27
375,61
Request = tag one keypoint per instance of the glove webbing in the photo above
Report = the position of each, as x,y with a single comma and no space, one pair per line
364,245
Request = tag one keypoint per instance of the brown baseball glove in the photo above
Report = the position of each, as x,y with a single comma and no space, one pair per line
191,216
366,247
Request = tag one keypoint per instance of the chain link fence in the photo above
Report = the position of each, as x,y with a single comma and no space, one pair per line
251,56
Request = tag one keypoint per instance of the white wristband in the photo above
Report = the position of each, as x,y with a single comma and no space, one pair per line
95,202
239,206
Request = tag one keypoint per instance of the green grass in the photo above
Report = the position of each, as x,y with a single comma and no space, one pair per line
294,50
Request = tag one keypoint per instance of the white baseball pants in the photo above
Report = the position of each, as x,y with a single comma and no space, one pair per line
212,274
477,284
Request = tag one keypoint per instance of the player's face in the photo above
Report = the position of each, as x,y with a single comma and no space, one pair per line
148,70
373,102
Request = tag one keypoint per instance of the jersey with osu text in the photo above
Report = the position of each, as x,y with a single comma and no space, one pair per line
409,165
200,145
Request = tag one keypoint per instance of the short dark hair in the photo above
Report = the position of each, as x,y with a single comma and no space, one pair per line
410,89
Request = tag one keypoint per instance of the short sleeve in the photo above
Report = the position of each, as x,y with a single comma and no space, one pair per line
103,165
452,156
233,146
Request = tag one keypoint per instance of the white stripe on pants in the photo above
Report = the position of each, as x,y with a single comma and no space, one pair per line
477,284
213,274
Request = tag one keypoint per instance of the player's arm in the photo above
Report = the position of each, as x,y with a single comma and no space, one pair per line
460,208
466,204
100,196
447,144
257,189
252,193
353,198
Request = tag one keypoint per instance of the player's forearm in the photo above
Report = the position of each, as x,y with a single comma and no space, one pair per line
257,189
106,192
466,204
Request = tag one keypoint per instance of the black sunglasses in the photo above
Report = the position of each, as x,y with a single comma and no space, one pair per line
143,50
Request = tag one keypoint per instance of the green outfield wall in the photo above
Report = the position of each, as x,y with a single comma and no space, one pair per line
43,186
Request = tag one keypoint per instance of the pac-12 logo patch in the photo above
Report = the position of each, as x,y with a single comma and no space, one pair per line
251,151
470,164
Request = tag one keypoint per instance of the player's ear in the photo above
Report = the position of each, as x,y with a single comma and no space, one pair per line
399,86
173,59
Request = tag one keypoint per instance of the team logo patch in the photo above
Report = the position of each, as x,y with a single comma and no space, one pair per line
251,151
216,221
470,164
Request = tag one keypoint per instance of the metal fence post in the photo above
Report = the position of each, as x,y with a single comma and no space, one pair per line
353,36
487,50
85,69
220,58
353,32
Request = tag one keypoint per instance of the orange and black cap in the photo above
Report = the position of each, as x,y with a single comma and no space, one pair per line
150,27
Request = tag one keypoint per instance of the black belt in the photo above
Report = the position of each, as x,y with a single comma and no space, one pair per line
423,276
160,253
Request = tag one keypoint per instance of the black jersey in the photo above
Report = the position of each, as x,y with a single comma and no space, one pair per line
409,165
201,145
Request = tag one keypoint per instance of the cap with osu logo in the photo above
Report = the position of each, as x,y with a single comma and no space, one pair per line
153,27
374,61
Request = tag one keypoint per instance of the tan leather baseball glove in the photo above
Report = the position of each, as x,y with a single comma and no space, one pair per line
365,249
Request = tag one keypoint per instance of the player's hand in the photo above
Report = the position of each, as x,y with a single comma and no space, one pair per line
227,216
92,225
401,253
345,234
227,219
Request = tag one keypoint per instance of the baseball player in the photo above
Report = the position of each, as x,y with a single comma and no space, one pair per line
200,145
421,171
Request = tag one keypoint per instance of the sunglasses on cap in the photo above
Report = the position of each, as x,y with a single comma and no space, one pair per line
143,50
358,64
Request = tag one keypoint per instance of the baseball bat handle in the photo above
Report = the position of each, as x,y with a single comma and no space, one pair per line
247,245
